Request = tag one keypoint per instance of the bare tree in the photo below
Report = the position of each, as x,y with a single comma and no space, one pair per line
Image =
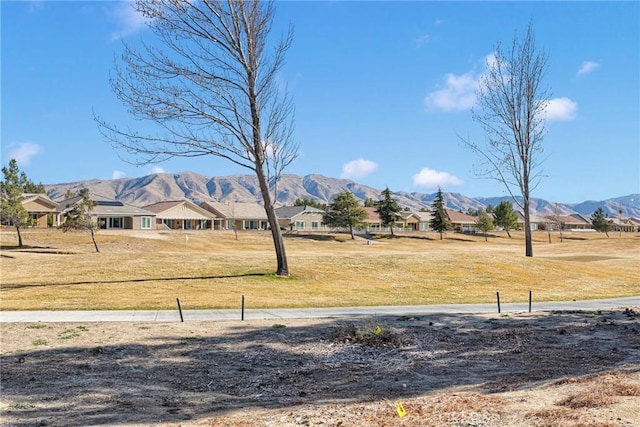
511,109
210,85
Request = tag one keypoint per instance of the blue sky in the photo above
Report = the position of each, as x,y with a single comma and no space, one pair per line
382,90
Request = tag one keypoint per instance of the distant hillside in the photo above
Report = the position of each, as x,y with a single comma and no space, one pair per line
244,188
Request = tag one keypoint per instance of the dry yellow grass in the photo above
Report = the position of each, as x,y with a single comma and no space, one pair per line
210,269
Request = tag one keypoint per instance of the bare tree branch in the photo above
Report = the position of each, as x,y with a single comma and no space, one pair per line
510,110
209,85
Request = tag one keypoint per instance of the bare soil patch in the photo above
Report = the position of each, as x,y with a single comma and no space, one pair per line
541,369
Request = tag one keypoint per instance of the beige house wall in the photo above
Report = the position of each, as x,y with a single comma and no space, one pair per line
303,222
40,212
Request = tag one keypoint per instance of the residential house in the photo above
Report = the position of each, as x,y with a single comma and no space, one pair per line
181,215
300,218
372,221
461,222
623,224
409,221
42,210
535,221
415,221
425,218
575,222
237,215
111,214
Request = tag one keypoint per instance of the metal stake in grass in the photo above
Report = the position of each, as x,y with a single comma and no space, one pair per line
529,301
180,310
242,309
498,297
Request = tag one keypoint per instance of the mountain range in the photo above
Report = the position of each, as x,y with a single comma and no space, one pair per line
244,188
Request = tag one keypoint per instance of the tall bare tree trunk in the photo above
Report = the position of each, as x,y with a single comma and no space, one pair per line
276,233
528,243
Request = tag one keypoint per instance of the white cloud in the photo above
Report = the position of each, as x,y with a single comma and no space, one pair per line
23,151
561,109
587,67
157,169
358,168
118,174
458,94
129,20
430,178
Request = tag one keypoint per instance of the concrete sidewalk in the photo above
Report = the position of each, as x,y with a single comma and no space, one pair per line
305,313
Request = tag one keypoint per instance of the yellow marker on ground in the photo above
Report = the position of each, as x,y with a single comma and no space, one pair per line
377,330
400,410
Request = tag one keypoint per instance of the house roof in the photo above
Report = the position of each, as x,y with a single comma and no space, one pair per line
105,207
179,209
372,215
532,218
290,212
622,221
39,198
574,220
424,216
456,217
235,210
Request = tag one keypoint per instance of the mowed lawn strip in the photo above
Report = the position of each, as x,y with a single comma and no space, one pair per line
212,270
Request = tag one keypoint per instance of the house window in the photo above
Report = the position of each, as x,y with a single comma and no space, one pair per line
115,222
315,225
299,225
146,223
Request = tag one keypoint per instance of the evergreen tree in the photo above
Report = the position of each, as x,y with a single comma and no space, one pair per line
370,203
345,211
601,222
505,216
440,221
11,197
484,222
79,217
310,202
69,194
31,187
388,209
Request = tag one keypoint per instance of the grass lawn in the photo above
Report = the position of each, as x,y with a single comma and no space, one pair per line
211,269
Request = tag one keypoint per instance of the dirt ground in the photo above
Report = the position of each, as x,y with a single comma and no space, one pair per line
540,369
